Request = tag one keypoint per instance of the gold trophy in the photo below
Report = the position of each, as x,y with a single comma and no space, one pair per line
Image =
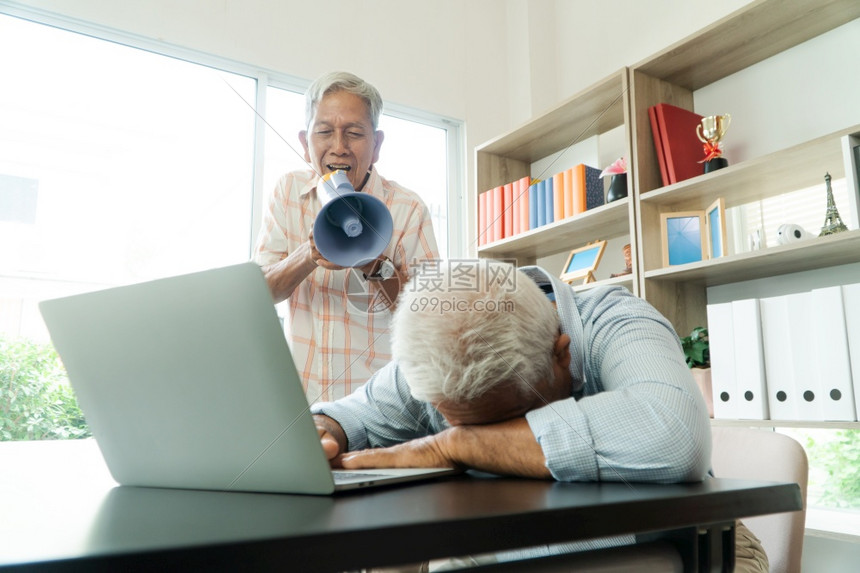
710,131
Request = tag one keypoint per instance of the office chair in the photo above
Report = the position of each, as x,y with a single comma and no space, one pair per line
761,454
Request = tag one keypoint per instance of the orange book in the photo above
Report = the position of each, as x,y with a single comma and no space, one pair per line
495,215
524,203
558,197
578,188
568,193
482,218
508,211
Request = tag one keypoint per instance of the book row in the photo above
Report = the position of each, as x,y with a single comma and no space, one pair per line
791,357
525,204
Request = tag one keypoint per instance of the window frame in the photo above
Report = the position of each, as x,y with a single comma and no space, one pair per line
264,78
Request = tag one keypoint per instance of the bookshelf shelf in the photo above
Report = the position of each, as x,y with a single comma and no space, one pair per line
786,424
755,32
626,281
594,111
610,220
815,253
752,34
797,167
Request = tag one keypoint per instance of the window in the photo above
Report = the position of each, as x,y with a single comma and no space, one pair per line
120,164
129,175
756,225
833,493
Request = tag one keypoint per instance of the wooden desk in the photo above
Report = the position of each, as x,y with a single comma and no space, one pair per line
60,510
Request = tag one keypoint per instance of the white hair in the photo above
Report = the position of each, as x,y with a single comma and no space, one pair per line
462,328
333,82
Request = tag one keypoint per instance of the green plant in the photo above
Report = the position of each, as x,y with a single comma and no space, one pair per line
839,457
696,348
36,401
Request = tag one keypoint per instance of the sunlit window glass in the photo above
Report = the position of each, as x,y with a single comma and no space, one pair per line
116,165
284,118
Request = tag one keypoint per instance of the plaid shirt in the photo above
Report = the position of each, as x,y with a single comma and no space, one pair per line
338,334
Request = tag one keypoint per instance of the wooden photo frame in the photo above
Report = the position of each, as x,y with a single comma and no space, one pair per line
684,237
582,262
715,224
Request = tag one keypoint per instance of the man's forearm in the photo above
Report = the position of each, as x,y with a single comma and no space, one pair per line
505,448
285,276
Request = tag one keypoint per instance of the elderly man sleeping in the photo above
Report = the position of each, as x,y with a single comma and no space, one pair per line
511,372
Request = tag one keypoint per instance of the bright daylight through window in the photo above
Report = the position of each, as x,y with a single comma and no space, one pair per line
119,165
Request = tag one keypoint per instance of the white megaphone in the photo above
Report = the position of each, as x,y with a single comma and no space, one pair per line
352,229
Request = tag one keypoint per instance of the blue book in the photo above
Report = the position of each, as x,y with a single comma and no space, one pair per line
533,206
548,202
541,201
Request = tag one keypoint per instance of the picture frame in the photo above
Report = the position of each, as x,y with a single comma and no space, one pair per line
582,262
684,237
715,225
851,155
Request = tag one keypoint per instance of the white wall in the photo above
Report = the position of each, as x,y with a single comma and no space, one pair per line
491,63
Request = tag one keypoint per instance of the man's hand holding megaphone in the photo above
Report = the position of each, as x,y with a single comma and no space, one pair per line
380,268
351,230
381,274
285,276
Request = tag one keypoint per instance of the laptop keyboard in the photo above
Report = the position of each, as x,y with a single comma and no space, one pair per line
341,475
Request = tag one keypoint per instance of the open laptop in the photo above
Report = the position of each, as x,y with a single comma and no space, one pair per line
188,382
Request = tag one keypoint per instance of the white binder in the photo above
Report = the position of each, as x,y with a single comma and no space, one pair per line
776,330
722,349
733,379
833,365
803,357
749,361
851,304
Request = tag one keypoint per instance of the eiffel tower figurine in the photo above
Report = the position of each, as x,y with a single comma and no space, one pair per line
832,221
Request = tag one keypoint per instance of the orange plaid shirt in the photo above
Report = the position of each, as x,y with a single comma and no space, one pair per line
338,334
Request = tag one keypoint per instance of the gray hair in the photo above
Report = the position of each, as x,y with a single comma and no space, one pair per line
480,324
342,81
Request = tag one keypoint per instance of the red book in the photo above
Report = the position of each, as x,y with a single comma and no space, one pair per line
495,214
681,145
482,218
508,211
515,207
658,144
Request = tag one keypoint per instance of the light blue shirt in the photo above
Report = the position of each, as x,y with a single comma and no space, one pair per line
636,413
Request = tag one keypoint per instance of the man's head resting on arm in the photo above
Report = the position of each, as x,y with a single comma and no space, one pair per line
480,341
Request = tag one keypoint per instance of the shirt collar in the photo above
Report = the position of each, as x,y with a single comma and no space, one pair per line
571,322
